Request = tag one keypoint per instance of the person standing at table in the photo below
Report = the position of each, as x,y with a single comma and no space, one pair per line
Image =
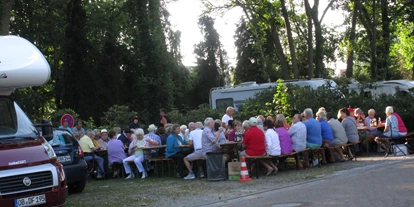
164,119
134,123
195,141
228,116
172,151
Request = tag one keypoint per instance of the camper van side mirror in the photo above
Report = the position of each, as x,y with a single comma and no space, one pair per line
46,129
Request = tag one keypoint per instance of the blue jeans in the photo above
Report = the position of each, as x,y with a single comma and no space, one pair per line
100,161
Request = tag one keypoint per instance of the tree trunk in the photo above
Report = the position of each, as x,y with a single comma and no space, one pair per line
385,39
290,39
7,6
279,50
319,71
350,58
374,43
309,39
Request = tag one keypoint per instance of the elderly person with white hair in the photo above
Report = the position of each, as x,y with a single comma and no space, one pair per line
390,130
138,155
191,127
209,138
183,128
254,140
313,130
88,149
228,116
154,140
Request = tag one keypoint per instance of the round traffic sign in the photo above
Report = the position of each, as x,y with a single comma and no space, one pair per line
69,118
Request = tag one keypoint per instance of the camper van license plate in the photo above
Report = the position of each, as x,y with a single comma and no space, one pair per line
30,201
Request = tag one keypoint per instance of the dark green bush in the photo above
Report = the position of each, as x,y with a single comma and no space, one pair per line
292,99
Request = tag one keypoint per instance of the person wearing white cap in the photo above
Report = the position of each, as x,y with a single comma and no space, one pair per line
151,138
103,141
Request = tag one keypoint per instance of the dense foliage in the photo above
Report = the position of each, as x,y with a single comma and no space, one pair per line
123,56
292,99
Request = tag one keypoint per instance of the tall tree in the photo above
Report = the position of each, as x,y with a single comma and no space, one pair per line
290,39
319,39
351,43
211,61
5,12
77,91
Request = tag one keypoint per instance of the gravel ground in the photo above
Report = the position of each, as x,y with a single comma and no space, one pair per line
169,191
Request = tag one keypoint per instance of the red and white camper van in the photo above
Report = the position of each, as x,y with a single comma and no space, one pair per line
30,173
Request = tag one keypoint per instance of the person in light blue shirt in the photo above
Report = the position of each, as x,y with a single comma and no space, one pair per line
313,130
390,130
172,151
65,125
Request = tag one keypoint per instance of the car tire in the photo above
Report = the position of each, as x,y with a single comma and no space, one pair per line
77,187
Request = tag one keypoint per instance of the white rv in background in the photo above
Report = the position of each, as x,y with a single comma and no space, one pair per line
235,96
386,87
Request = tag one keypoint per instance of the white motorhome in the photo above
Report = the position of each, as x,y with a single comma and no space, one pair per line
30,173
235,96
386,87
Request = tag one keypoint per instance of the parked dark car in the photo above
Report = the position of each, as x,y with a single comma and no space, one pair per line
70,155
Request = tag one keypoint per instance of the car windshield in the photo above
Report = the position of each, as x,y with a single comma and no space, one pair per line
61,137
13,121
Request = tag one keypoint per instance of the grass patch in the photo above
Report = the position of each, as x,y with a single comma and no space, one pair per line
169,191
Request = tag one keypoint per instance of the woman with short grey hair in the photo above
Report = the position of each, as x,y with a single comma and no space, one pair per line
138,156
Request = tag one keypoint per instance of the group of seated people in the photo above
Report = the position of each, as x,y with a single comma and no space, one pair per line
259,136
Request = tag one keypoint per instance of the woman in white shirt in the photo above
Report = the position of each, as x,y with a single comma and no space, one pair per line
272,147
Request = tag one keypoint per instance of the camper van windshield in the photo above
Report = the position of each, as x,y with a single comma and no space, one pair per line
13,121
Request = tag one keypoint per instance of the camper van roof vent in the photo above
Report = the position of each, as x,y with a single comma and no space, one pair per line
246,84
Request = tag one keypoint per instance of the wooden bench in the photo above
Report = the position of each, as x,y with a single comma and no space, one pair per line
408,135
162,161
318,151
195,165
350,147
255,161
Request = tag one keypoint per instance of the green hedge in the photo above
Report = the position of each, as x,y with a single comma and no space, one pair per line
292,99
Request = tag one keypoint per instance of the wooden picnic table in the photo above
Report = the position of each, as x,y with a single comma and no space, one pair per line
230,148
363,128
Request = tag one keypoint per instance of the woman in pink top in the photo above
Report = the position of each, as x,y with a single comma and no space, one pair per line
401,126
284,138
